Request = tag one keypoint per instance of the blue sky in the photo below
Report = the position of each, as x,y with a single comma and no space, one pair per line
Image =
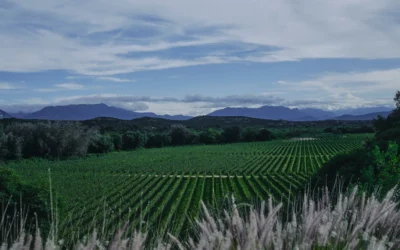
192,57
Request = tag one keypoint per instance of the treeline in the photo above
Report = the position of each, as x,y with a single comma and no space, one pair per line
60,140
363,129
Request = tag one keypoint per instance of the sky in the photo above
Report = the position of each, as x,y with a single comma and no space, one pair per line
193,57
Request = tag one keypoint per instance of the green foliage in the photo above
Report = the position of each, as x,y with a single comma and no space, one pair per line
163,184
117,140
265,135
346,167
101,144
53,140
232,134
179,134
397,99
384,171
210,136
31,198
158,140
250,134
134,140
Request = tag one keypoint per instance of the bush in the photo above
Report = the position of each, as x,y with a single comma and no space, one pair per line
347,166
384,170
34,199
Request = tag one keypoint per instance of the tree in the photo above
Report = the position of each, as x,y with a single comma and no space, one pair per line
232,134
265,135
101,144
117,140
158,140
134,139
179,134
250,134
397,99
210,136
384,171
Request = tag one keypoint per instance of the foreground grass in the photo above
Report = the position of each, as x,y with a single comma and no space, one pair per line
351,221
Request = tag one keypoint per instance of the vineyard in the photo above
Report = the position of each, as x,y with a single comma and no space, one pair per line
164,187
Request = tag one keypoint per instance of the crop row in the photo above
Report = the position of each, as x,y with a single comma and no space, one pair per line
171,203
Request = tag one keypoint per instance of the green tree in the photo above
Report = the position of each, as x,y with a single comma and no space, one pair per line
179,134
265,135
101,144
158,140
210,136
384,170
117,140
134,139
232,134
397,99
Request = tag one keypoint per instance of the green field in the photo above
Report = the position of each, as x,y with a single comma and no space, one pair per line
163,187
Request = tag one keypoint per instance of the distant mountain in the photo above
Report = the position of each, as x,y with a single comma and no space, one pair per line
19,115
365,117
319,113
81,112
266,112
363,111
4,115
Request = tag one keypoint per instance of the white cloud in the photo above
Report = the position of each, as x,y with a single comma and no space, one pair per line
70,86
62,36
8,86
113,79
61,87
349,89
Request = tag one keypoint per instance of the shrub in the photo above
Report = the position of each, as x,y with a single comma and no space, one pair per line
30,198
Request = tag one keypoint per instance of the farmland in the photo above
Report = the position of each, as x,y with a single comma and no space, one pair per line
164,187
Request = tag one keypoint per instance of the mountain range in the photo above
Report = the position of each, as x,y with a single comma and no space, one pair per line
4,115
309,114
80,112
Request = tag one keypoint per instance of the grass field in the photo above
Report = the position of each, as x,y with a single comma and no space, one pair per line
164,186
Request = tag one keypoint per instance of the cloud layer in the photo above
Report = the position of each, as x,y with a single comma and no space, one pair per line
107,38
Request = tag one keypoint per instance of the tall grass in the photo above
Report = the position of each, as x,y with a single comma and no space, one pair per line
349,221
